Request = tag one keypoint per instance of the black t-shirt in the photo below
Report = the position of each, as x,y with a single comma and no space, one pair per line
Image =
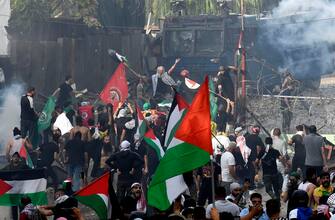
161,89
140,149
64,97
93,149
125,161
47,153
227,85
129,135
205,174
76,152
252,141
269,164
299,147
128,204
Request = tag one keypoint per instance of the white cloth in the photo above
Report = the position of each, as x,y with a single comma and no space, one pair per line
125,145
279,145
293,214
304,186
63,124
31,101
227,159
216,143
17,144
223,206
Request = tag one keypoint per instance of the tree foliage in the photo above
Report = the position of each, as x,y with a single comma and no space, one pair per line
85,10
162,8
26,12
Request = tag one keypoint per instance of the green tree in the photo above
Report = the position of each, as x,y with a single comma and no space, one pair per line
85,10
25,12
162,8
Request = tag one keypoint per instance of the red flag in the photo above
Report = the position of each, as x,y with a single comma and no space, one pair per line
86,113
196,125
116,90
4,187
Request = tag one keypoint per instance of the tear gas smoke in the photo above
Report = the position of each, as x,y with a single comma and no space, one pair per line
9,113
302,31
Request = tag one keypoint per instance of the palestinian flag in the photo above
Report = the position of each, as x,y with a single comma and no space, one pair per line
168,182
96,196
21,183
154,143
177,112
24,154
45,118
4,187
142,126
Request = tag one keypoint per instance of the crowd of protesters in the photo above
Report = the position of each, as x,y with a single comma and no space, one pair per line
243,164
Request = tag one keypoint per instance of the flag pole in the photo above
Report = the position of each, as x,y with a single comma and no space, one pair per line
133,71
213,180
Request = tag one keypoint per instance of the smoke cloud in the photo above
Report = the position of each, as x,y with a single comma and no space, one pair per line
302,32
9,113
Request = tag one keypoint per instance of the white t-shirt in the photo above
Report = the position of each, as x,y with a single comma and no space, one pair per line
223,206
227,159
279,145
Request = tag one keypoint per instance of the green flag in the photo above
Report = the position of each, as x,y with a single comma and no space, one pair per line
213,100
45,118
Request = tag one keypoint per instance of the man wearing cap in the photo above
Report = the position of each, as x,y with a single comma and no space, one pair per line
124,163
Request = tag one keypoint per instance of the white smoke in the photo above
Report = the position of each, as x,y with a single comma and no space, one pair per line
304,28
9,112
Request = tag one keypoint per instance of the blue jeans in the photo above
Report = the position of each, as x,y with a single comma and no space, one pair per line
74,171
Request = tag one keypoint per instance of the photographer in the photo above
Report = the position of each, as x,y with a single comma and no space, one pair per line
255,211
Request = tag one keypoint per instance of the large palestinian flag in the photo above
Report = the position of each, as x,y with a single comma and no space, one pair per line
31,183
96,196
189,147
